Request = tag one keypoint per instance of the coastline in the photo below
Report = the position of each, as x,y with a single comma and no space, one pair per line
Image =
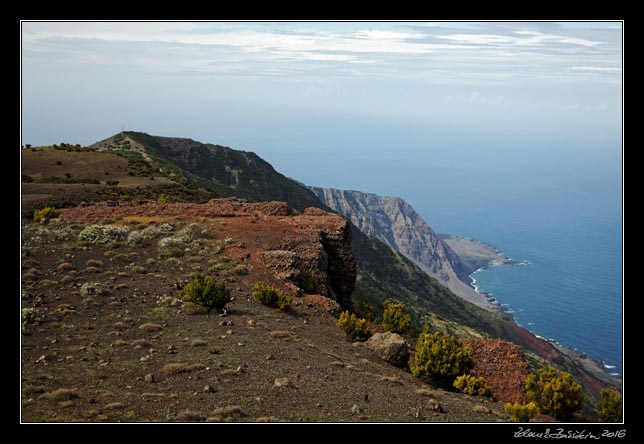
484,256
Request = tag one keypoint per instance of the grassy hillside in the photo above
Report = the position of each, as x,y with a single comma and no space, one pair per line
385,274
228,172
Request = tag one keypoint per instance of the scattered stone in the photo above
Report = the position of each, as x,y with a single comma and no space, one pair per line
356,410
282,382
434,405
337,364
141,343
208,389
390,347
481,409
198,343
270,357
42,359
149,378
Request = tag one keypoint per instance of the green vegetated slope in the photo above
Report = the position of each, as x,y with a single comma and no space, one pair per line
228,172
386,274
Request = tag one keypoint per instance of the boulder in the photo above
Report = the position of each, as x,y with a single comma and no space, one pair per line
391,347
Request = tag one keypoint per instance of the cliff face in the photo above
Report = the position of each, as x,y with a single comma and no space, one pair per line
396,223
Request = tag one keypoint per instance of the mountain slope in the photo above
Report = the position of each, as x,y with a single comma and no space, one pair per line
223,170
395,222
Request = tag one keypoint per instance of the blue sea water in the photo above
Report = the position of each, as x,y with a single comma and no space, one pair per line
564,218
556,204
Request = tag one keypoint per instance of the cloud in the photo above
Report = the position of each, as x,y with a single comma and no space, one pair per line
481,53
291,45
596,68
517,38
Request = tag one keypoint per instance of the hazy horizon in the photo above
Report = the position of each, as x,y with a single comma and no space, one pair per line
344,87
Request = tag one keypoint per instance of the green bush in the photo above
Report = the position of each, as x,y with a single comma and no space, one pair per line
473,385
284,302
394,318
202,290
357,329
440,358
271,296
555,393
45,214
610,406
522,412
163,198
307,283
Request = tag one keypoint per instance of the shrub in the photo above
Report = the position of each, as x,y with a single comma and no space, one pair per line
241,270
556,394
45,214
65,266
112,183
102,234
163,198
440,357
271,296
522,412
191,232
394,318
172,243
134,238
357,329
307,283
264,293
610,406
94,263
284,302
202,290
91,289
472,385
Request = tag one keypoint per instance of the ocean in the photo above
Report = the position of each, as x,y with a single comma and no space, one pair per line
556,204
563,217
552,199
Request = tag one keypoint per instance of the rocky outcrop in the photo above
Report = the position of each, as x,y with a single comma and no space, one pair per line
502,365
391,347
396,223
311,250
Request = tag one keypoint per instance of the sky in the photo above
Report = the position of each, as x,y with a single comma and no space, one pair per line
346,90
